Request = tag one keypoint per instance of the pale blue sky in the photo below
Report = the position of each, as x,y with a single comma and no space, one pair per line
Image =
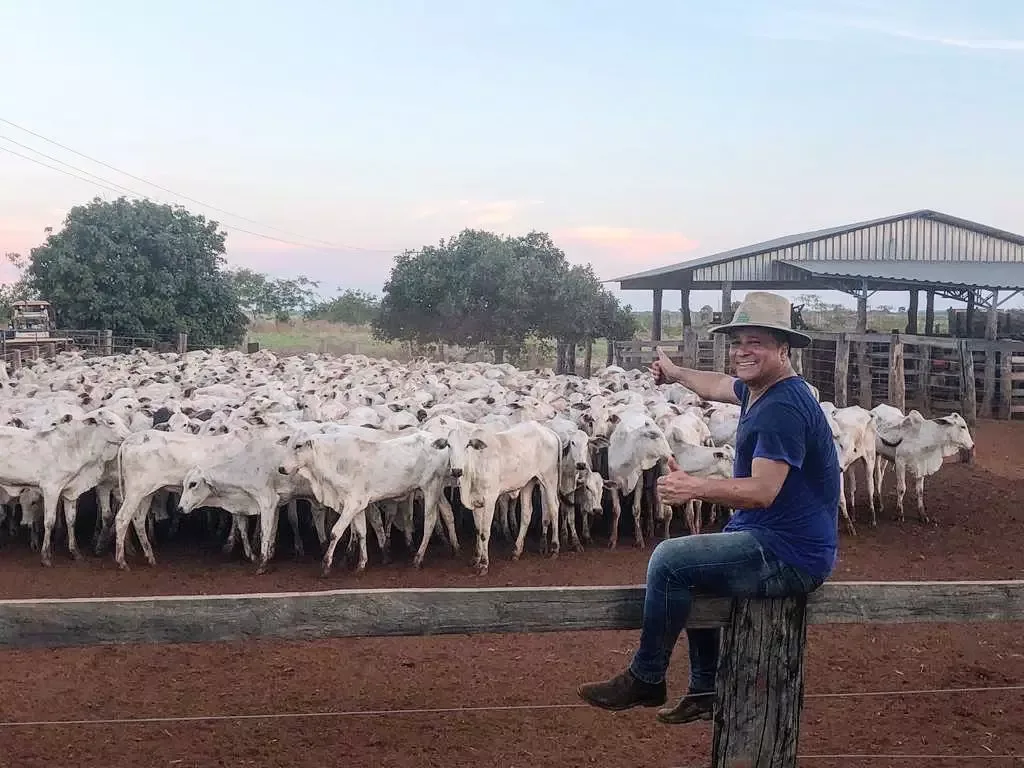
637,133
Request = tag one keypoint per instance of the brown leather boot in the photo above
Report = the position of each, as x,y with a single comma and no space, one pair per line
693,706
623,692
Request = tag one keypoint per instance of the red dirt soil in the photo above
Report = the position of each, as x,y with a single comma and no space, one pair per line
977,533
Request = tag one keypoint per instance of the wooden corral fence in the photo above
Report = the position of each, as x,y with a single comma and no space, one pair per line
937,376
90,343
760,684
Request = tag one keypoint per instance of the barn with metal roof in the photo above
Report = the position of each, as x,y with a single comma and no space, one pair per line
923,250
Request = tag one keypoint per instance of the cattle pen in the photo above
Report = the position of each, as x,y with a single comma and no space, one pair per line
761,678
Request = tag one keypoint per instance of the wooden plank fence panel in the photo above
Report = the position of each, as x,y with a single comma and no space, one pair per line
54,623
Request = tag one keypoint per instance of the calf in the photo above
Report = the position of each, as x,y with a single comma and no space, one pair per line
702,461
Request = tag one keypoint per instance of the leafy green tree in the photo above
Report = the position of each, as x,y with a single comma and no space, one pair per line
250,289
350,306
137,267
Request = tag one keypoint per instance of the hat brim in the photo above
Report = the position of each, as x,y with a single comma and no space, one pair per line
797,340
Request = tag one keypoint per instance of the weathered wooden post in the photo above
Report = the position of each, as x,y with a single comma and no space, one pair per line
988,392
50,349
16,359
182,343
609,353
108,342
689,347
897,374
760,686
864,375
969,395
588,357
796,357
925,377
33,352
842,368
1006,382
252,347
656,315
721,353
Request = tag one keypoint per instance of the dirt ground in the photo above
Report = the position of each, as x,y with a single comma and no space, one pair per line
509,700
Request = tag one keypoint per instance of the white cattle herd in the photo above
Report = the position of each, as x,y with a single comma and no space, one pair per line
377,444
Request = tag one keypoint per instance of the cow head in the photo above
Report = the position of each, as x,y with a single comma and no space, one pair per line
196,488
957,437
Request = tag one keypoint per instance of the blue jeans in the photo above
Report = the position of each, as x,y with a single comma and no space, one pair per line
729,564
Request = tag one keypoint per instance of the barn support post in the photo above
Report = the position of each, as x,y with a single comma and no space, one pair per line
929,313
897,375
656,316
684,308
760,686
842,368
726,302
182,343
862,307
969,315
1005,382
969,395
689,347
912,312
107,342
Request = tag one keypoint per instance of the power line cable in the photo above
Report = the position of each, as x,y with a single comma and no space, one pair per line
186,197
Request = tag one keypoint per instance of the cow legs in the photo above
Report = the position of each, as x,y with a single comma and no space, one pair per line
50,501
375,518
130,507
447,518
638,533
139,523
901,487
344,520
70,515
319,516
851,488
613,536
525,516
550,505
293,521
919,482
843,507
241,523
483,516
869,480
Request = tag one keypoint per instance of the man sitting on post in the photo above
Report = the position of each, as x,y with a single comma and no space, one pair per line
782,539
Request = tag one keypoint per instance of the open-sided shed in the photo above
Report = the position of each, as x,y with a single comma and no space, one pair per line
923,250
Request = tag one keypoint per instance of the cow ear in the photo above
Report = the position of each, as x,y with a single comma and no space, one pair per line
67,417
614,418
284,440
90,420
440,444
477,444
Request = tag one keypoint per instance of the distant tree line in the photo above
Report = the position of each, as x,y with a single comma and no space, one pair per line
140,267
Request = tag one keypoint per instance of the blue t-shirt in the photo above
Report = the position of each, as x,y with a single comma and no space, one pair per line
787,424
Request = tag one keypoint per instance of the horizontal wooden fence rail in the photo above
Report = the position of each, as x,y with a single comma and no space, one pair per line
760,687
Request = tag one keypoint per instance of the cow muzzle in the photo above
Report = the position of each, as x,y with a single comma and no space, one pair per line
456,472
967,455
282,470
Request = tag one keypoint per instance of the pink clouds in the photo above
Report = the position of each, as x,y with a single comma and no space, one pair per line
612,249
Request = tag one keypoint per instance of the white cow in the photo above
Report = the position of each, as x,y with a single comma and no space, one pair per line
918,446
856,444
513,460
701,461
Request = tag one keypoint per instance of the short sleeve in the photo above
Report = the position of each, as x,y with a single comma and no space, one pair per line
739,389
782,437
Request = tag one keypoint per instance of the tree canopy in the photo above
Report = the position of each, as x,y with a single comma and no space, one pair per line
137,267
479,287
259,294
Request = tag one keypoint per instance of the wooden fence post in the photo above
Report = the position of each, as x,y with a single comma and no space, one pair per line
796,357
864,375
897,374
50,349
842,369
1006,383
253,347
108,343
969,395
925,378
760,686
721,353
988,392
33,352
588,357
689,347
182,343
16,359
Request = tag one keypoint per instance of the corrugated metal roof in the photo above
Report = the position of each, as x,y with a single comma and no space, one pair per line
1007,274
807,237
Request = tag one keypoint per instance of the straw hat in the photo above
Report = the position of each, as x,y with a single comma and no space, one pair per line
761,309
